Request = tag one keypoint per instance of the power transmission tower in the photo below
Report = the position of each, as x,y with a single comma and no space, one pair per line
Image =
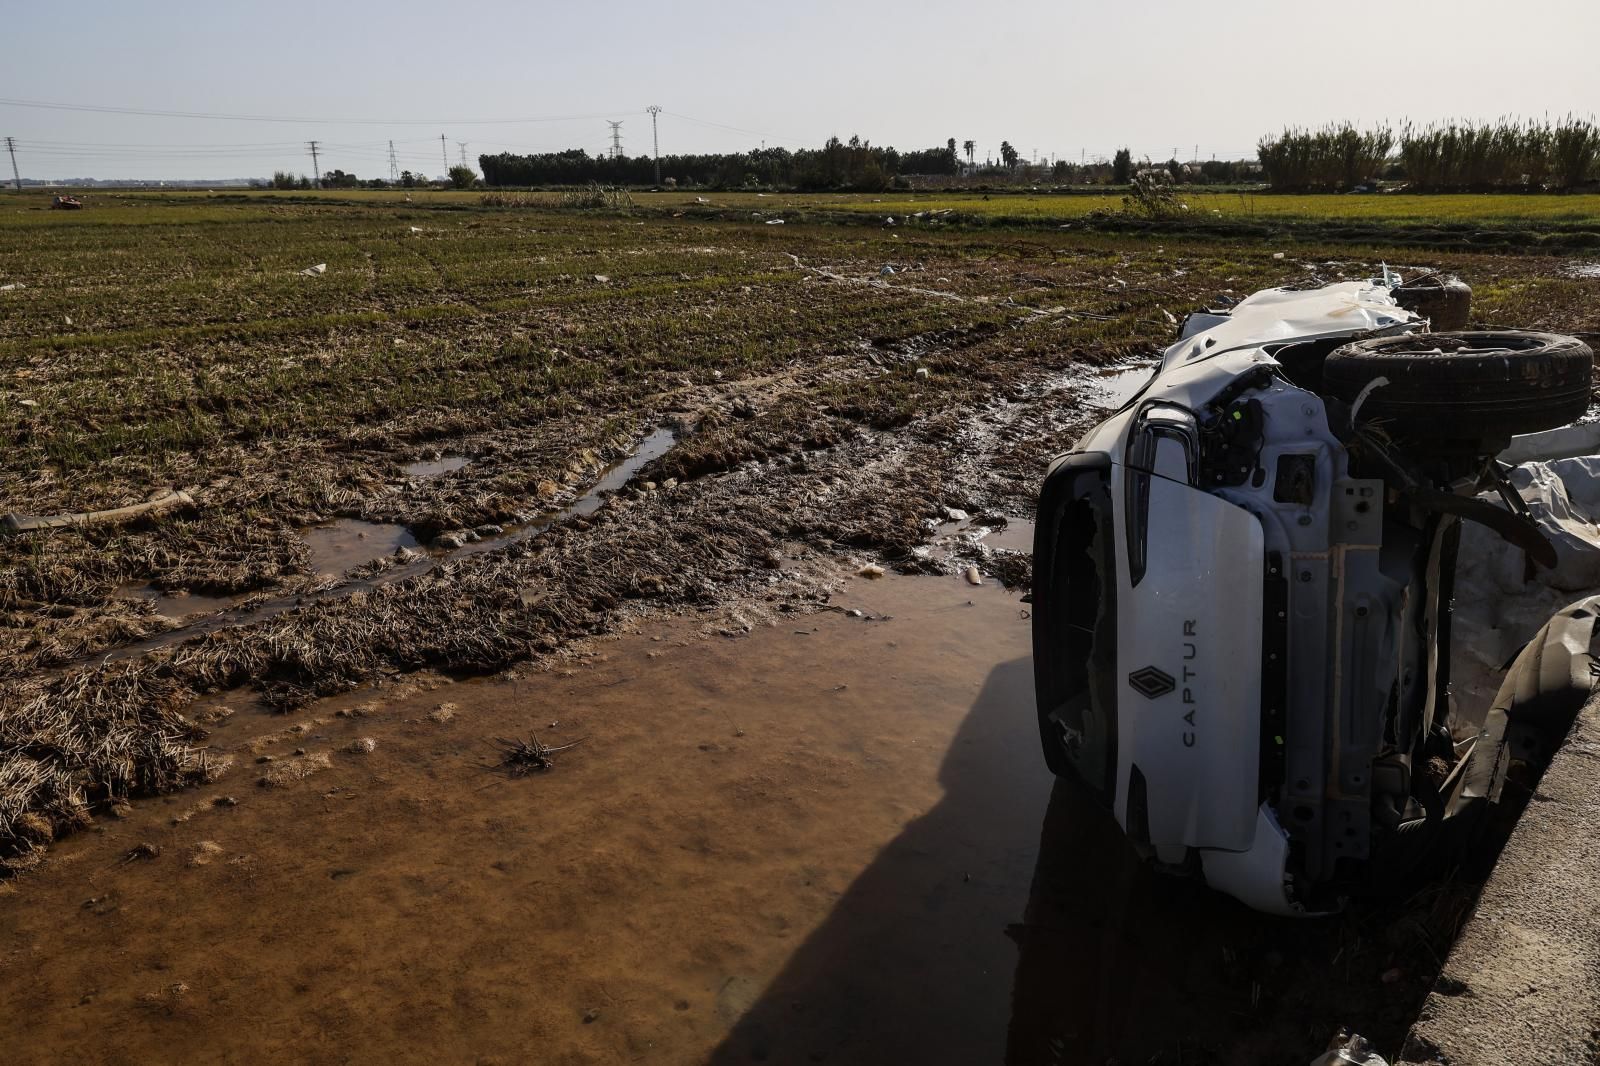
11,146
444,153
316,169
462,145
394,164
616,139
655,139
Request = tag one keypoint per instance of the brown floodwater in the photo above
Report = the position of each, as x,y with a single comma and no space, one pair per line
447,464
346,543
830,840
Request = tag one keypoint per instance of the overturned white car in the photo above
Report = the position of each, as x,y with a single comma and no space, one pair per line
1242,586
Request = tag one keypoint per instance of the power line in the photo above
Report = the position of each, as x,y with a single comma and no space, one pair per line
224,117
655,139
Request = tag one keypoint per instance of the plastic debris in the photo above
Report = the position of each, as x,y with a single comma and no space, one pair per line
1278,255
922,373
774,221
870,570
313,271
12,286
886,269
602,278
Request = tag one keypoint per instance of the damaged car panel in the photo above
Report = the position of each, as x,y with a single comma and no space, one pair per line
1243,586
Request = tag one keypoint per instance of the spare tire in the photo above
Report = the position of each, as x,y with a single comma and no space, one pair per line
1482,385
1445,300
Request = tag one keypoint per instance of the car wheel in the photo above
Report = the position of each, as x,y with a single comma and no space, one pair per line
1479,384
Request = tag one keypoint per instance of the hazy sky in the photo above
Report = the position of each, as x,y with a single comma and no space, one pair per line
1060,78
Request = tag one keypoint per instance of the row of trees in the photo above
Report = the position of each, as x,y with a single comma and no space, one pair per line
854,164
460,177
1453,157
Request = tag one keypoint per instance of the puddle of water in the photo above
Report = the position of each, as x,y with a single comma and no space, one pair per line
449,464
823,842
1117,385
741,812
176,604
350,542
1016,535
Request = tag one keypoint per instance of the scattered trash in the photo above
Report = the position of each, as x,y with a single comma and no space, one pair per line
885,270
602,278
28,403
1278,255
416,229
68,318
11,286
701,200
66,203
774,221
973,577
922,372
889,221
872,570
313,271
520,758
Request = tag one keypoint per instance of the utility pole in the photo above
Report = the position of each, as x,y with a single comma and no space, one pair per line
11,146
394,164
655,139
316,169
444,153
616,139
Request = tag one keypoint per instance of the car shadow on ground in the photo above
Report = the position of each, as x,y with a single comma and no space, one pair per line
981,935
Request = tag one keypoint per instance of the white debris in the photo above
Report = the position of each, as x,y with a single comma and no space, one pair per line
313,271
872,570
1278,255
922,373
885,270
12,286
1497,610
973,577
416,229
602,278
701,200
29,403
774,221
954,514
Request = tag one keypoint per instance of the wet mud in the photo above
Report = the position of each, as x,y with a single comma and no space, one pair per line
831,840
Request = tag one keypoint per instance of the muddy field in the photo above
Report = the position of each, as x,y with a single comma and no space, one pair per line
481,438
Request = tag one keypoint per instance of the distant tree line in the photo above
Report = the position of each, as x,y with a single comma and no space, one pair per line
852,164
1454,157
